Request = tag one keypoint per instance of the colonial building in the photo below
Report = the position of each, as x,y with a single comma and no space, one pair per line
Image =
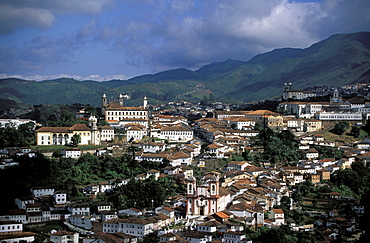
296,94
118,114
176,134
205,198
338,116
91,134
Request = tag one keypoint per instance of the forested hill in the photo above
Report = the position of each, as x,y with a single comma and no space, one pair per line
339,60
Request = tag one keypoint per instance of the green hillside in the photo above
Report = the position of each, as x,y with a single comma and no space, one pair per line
338,60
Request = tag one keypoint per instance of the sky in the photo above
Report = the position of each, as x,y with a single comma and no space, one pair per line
118,39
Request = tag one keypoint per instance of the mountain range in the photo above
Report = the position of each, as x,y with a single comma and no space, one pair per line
339,60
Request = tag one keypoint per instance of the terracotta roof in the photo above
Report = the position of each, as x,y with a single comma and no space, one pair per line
176,128
262,112
108,238
16,235
135,221
222,215
53,129
79,127
278,211
107,127
178,155
61,233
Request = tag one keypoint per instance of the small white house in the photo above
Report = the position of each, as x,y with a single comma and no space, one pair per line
71,152
64,237
60,197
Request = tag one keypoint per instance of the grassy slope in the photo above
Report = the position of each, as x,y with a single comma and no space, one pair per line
340,139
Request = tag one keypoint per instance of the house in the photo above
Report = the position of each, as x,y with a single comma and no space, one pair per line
169,212
107,134
12,232
242,209
312,125
171,237
60,197
71,152
155,157
237,165
324,174
118,237
154,173
17,215
138,227
196,236
235,237
241,123
153,147
42,191
312,154
101,206
216,151
186,171
64,237
135,133
111,226
79,209
175,134
180,158
131,212
81,221
277,216
208,226
34,213
10,227
21,202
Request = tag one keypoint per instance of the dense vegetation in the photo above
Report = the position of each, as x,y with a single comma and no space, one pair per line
24,135
68,173
280,148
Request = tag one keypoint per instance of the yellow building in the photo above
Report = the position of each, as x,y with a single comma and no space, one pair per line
62,135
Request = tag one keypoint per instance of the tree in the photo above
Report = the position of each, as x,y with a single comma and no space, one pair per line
287,137
355,131
39,238
132,149
90,109
76,139
103,123
11,136
266,134
285,202
340,127
151,237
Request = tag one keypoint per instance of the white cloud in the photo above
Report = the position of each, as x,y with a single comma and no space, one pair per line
18,14
93,77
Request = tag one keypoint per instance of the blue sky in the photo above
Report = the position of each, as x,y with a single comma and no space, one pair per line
106,39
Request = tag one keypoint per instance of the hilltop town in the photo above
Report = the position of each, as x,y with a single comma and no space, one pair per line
185,172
